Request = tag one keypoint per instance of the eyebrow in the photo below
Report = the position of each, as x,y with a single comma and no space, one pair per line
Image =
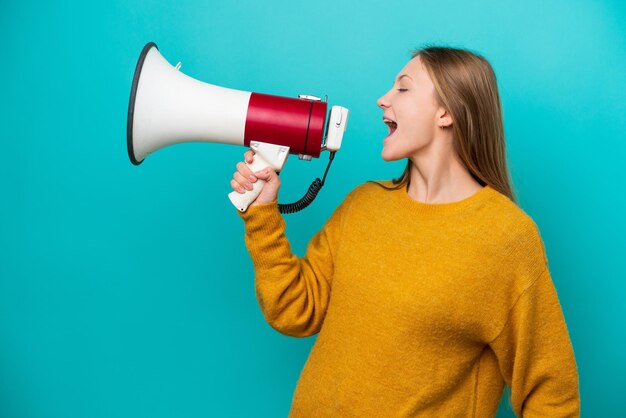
403,75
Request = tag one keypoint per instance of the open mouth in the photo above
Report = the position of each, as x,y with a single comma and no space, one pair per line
391,125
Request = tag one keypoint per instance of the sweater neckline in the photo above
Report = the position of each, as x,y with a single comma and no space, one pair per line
469,202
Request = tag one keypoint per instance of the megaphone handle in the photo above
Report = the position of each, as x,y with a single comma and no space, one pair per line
265,155
243,200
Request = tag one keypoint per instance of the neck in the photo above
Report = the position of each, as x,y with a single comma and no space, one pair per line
439,176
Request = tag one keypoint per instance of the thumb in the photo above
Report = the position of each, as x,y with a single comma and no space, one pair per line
269,193
266,174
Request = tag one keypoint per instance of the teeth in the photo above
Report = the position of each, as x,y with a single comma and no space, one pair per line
390,123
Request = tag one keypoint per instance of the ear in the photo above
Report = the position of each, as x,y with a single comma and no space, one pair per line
444,119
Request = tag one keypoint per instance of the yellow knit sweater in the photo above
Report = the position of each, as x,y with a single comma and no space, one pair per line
423,310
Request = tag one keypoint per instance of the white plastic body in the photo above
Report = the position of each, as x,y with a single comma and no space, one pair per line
337,123
265,155
171,108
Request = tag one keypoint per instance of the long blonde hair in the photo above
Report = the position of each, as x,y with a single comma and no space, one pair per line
465,85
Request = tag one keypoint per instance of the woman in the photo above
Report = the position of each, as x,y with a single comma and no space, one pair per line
429,292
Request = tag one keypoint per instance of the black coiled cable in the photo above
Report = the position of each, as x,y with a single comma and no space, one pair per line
310,195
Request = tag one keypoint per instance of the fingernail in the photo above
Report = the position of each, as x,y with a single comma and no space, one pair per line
248,186
252,178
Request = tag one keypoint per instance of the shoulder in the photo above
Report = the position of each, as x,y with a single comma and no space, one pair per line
373,188
370,193
519,231
510,215
366,197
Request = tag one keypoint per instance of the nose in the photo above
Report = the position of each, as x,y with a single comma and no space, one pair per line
382,102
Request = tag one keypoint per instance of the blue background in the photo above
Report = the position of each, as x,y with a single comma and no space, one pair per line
128,292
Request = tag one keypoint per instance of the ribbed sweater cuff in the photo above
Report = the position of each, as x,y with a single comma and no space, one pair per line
260,215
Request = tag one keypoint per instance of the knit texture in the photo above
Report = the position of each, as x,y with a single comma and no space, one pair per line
422,310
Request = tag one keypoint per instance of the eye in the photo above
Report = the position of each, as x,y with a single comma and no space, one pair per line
402,90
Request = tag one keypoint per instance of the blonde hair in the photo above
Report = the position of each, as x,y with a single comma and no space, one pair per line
466,86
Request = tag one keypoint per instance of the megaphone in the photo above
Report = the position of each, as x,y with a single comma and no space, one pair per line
168,107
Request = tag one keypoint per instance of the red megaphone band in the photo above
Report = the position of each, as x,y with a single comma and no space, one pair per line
296,123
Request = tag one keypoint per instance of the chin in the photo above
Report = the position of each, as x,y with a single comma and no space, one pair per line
388,155
395,149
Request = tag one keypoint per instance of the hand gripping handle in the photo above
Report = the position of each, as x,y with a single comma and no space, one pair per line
265,155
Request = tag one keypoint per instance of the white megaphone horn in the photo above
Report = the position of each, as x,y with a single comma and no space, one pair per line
168,107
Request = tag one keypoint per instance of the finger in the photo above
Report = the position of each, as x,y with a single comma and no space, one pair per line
242,180
248,156
245,171
237,187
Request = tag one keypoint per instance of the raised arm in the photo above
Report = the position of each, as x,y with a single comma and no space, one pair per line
293,292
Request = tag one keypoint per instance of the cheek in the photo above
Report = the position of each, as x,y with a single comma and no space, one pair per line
414,121
420,115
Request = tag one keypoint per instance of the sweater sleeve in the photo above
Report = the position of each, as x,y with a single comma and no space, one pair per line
293,293
536,356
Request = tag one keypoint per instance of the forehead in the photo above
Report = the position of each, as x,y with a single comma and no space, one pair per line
416,71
